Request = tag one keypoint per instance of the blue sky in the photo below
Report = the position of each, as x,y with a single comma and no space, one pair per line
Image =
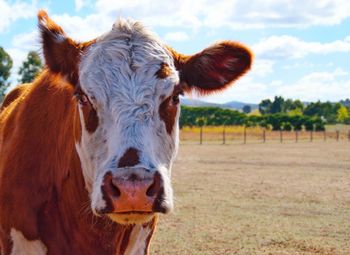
302,48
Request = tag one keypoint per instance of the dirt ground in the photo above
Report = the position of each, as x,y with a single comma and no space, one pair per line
291,198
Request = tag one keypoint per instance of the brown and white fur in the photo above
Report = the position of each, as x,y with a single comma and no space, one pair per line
87,148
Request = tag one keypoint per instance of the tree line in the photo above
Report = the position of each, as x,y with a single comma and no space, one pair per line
330,113
277,114
215,116
29,69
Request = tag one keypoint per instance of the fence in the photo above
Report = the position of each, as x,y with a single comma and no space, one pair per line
230,135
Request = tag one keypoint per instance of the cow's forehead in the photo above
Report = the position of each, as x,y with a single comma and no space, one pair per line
124,62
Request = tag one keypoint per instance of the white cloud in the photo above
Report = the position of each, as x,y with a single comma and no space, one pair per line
319,86
18,56
245,90
27,41
82,29
160,13
314,86
230,13
289,47
262,67
176,36
21,45
18,10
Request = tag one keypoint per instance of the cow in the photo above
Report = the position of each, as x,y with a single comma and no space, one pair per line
87,148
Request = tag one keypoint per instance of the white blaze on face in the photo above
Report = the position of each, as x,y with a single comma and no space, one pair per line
118,74
22,246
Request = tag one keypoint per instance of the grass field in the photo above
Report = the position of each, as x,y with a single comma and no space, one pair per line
259,199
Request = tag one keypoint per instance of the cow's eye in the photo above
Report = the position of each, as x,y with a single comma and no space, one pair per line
82,98
176,96
176,99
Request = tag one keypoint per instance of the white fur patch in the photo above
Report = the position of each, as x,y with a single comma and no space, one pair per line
137,241
22,246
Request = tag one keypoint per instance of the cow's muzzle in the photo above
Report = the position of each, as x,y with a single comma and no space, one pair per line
133,193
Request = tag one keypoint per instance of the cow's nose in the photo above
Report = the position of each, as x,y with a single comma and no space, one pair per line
132,192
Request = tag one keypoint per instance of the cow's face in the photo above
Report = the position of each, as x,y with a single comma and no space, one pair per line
128,96
127,87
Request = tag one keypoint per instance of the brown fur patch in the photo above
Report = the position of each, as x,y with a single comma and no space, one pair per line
168,110
90,118
125,241
77,124
13,95
130,158
164,71
152,225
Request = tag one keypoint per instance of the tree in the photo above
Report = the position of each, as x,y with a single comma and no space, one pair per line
277,105
265,106
295,112
297,121
287,126
247,109
288,105
319,124
297,104
326,110
275,120
201,122
309,124
342,114
30,67
5,67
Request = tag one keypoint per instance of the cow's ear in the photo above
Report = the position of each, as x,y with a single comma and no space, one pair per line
62,54
213,69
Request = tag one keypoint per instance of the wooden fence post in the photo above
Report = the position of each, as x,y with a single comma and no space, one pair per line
324,135
296,136
281,136
264,135
201,135
245,135
311,136
224,135
349,136
337,135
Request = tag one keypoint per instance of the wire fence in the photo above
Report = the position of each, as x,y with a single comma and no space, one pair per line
243,135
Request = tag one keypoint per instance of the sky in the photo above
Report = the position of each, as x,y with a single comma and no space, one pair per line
301,48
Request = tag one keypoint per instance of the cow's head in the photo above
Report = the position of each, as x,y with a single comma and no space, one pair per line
127,87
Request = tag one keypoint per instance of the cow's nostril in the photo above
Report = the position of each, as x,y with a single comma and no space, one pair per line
153,190
113,189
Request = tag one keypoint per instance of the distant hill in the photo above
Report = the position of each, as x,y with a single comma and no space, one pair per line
197,103
239,105
234,105
345,102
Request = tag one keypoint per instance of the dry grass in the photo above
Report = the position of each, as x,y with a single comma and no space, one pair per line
259,199
340,127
